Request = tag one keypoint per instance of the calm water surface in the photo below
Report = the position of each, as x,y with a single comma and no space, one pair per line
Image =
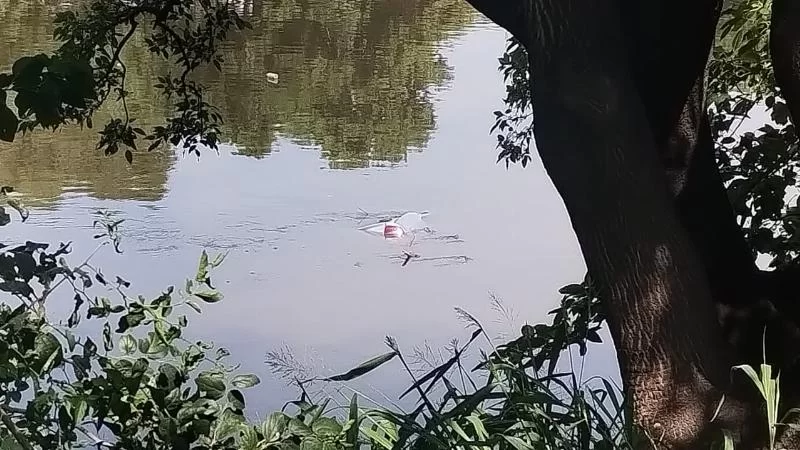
382,106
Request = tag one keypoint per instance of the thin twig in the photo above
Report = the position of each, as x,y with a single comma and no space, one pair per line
124,95
181,47
49,291
118,51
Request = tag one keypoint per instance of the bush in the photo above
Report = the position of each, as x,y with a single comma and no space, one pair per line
119,373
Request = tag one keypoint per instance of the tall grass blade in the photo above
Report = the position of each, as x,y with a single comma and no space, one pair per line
364,368
355,422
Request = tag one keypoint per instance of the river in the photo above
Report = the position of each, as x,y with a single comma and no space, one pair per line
381,107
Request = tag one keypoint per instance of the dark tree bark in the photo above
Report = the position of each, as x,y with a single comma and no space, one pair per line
785,52
669,69
609,172
638,174
781,286
745,297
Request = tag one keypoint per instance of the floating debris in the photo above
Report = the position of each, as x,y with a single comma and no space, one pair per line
272,77
397,227
407,257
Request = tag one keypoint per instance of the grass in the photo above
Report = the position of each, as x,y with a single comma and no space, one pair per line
518,396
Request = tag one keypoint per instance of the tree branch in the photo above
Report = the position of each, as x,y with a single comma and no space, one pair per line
118,51
12,427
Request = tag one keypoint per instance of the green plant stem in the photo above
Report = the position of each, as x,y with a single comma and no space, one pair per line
50,290
21,439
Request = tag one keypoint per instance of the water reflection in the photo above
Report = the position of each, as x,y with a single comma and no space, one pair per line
46,166
356,79
355,76
300,273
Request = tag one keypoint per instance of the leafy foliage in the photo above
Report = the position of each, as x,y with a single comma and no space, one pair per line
127,379
70,85
120,373
517,397
759,164
389,114
6,201
515,124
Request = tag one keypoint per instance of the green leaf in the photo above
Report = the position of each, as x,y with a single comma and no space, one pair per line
130,320
274,426
108,342
8,123
127,344
352,432
89,348
10,443
209,295
245,381
49,353
65,419
15,287
194,306
21,210
202,268
192,357
364,368
219,259
212,384
70,340
517,443
236,399
477,425
222,353
326,427
5,80
311,443
229,425
196,408
29,66
572,289
80,366
728,441
26,265
297,428
592,336
5,219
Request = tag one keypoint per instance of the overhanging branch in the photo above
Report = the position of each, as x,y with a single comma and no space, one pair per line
15,432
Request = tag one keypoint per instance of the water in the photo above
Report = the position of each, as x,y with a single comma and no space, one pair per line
382,107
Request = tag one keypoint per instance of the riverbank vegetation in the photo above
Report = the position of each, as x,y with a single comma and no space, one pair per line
119,372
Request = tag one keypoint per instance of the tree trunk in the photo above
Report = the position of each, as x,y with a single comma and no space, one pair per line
782,285
603,132
785,52
669,69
